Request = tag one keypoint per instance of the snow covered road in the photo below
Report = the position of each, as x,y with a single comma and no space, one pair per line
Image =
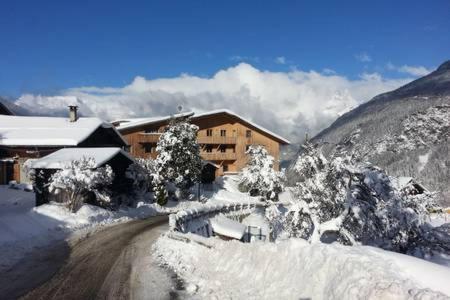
113,263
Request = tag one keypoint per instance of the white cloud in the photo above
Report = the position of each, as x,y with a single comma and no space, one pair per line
280,60
289,103
416,71
363,57
239,58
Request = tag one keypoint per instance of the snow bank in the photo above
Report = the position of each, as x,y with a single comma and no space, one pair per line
295,269
24,227
227,227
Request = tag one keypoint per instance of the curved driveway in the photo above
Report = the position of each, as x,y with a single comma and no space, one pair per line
114,263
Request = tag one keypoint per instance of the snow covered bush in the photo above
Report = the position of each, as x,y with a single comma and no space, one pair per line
337,201
161,194
144,175
79,178
179,158
259,176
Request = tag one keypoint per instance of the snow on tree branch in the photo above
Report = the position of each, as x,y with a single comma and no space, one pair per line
179,158
338,201
80,177
259,176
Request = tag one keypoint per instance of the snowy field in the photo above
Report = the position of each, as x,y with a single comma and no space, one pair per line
295,269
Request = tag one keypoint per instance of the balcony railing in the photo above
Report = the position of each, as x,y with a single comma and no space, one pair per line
218,156
223,140
149,137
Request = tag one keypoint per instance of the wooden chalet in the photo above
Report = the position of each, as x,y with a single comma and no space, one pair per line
223,135
22,138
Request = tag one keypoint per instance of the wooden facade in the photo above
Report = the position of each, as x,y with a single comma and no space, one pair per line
12,158
223,138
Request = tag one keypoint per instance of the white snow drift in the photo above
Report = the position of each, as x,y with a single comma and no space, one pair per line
295,269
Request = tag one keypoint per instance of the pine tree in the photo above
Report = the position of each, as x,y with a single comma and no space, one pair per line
179,158
259,176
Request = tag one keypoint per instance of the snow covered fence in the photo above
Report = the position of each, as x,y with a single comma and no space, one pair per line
197,220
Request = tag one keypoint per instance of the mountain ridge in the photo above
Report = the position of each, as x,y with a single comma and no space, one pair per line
405,131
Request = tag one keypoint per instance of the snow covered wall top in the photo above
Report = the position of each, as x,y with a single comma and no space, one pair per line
46,131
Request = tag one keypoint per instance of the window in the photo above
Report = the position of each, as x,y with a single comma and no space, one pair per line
208,149
208,132
225,168
151,130
248,133
223,132
147,147
223,149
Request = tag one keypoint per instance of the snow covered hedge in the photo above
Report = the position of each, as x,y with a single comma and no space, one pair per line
259,176
338,201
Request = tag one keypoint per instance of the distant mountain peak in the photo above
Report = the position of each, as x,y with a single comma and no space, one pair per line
444,67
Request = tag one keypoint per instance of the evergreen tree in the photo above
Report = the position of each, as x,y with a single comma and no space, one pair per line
179,158
259,176
338,201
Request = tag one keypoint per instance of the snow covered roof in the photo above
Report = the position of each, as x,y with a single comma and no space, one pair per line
62,157
226,227
233,114
122,124
47,131
207,162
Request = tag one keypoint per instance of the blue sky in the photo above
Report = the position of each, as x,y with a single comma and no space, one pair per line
48,46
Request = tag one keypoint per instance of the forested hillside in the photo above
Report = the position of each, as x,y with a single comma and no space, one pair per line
406,132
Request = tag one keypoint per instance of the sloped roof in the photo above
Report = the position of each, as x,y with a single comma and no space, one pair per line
47,131
62,157
233,114
123,124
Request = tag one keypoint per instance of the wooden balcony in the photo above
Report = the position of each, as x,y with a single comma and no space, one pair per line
217,140
148,137
218,156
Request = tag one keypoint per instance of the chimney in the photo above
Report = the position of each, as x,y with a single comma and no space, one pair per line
73,113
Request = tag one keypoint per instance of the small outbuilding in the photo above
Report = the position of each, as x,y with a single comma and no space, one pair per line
209,172
116,158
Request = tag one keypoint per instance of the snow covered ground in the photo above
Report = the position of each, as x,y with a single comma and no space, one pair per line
24,227
295,269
